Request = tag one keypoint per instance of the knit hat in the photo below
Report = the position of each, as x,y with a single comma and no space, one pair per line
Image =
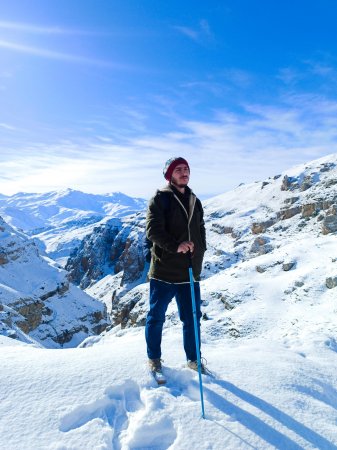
171,164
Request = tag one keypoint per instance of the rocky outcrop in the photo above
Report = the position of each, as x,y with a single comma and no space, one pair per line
131,309
261,227
117,246
37,300
87,264
331,282
329,224
261,246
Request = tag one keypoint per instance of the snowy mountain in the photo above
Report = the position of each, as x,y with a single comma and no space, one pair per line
269,334
111,261
37,302
259,232
61,219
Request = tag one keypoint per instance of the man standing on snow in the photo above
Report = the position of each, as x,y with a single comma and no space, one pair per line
175,226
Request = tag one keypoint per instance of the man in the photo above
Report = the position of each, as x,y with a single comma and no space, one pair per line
175,226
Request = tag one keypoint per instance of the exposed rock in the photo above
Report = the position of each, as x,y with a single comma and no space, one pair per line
289,213
261,227
289,183
112,248
306,183
87,263
332,210
291,200
32,311
226,301
309,210
38,302
288,266
3,259
326,167
220,214
329,225
331,182
131,309
220,229
331,282
261,246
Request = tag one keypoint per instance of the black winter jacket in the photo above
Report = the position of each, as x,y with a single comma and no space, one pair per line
167,226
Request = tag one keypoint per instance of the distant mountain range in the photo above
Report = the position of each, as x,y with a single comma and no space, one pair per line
61,219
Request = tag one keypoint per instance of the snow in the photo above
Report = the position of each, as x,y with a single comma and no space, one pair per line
268,334
264,395
61,219
27,279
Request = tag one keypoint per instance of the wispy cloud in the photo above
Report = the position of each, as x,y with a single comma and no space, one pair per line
6,126
223,151
51,54
198,34
306,70
49,30
29,28
289,75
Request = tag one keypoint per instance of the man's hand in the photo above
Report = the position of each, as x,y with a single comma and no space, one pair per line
186,246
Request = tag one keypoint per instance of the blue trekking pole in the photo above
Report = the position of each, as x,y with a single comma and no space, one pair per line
196,335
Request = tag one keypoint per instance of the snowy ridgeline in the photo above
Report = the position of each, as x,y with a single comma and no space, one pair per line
268,333
61,219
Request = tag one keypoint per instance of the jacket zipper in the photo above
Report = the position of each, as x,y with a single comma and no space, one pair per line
189,217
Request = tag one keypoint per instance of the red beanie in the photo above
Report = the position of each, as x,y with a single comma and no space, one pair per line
171,164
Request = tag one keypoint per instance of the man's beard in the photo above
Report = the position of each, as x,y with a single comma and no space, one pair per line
180,185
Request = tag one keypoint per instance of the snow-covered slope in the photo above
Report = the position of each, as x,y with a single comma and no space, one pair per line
268,333
61,219
37,302
258,232
265,396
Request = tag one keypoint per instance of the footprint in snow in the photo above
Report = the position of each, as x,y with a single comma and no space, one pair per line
115,408
151,427
136,423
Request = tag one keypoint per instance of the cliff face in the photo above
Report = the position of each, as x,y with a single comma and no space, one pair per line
112,260
37,301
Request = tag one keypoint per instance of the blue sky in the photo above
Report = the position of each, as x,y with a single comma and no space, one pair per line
97,94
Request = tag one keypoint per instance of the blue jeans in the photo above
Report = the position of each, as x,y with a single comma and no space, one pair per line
161,294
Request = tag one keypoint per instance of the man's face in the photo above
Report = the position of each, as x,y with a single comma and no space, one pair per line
181,175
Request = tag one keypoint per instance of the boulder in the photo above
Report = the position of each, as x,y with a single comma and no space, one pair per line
331,282
288,266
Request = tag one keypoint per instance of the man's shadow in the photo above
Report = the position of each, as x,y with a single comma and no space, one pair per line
257,426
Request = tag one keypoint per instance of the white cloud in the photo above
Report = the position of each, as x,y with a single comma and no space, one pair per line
189,32
47,30
51,54
223,152
200,33
6,126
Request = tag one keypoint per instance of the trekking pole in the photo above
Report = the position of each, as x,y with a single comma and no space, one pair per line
197,345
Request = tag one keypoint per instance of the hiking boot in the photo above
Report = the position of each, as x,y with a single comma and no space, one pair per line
194,366
155,365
